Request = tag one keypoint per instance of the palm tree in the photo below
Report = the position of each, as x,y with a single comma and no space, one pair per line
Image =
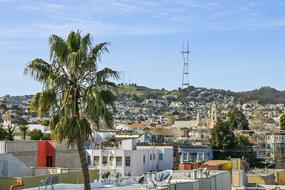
77,93
24,131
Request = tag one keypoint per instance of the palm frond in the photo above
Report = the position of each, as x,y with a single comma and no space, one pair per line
46,101
74,61
70,128
73,41
99,105
108,97
98,50
34,103
39,69
86,43
106,73
58,48
42,102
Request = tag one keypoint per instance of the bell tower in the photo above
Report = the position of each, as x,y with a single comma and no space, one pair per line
213,115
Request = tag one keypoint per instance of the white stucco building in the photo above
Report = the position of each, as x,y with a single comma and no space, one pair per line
129,159
275,147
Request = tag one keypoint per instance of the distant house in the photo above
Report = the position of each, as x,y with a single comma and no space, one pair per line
154,138
102,136
138,127
43,128
275,148
189,153
186,124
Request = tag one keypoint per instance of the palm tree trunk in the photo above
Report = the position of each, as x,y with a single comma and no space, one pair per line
84,166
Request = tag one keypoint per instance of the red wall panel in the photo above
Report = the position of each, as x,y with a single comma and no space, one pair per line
45,149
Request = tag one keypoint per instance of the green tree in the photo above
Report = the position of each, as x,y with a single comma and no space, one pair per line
237,119
244,149
15,107
3,107
3,134
19,120
36,134
47,137
222,139
45,122
10,133
226,144
24,131
282,122
74,86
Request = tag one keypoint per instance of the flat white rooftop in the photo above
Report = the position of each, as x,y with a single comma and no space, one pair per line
179,180
93,187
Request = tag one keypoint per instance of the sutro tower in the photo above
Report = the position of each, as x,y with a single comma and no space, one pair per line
185,75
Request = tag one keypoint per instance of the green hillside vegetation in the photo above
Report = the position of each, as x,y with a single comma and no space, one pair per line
264,95
174,93
141,91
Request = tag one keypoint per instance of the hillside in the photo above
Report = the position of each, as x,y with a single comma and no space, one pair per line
140,91
264,95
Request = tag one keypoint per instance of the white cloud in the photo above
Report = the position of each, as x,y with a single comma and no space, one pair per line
124,17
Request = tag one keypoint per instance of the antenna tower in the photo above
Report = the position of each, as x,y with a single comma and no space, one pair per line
185,75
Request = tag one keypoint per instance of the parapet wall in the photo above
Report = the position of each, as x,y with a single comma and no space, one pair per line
73,177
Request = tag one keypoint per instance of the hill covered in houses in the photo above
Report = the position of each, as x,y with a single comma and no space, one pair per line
263,95
140,103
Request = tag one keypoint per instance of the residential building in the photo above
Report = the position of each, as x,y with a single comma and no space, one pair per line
275,148
150,137
190,153
129,159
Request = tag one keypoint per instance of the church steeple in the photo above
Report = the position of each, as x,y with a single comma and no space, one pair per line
213,115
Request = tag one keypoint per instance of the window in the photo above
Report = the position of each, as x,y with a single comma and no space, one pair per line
143,158
200,157
150,157
111,160
206,156
104,160
88,160
96,160
184,157
192,157
160,156
153,156
127,161
119,161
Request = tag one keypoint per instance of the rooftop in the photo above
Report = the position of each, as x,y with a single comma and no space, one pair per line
129,183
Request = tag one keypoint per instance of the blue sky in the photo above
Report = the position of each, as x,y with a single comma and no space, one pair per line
236,45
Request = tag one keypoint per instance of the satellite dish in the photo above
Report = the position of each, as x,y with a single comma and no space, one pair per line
165,175
106,175
141,180
206,172
118,175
